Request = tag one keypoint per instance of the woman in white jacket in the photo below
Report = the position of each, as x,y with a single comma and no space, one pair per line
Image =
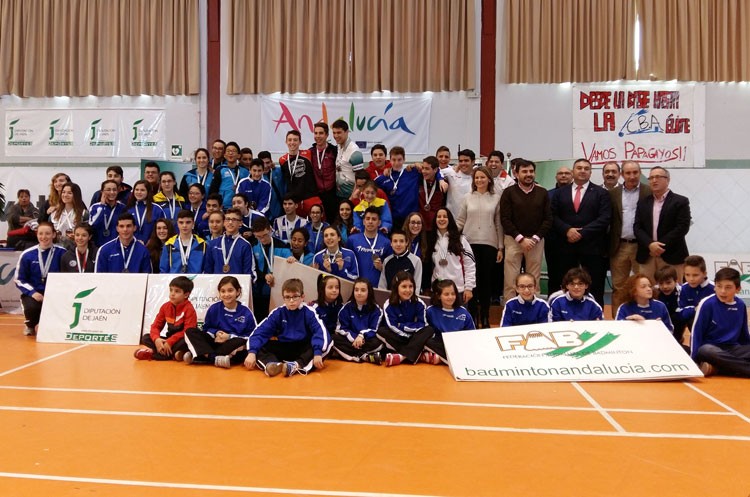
479,219
451,254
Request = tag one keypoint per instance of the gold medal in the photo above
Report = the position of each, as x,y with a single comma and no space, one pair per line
225,268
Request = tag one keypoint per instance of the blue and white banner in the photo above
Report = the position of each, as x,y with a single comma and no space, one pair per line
390,121
569,351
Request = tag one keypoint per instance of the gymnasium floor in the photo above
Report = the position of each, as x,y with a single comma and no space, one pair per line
90,420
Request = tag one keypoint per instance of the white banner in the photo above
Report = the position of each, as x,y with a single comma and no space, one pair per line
738,261
569,351
371,120
101,308
203,296
85,133
10,296
652,124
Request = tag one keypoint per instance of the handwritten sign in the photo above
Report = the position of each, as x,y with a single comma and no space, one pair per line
651,124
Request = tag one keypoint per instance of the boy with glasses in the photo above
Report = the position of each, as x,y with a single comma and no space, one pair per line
230,253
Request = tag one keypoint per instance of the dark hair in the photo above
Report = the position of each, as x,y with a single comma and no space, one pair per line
215,196
200,188
422,233
696,261
303,231
432,161
22,191
230,280
498,154
338,223
321,124
399,231
154,244
289,196
220,141
467,152
183,283
232,144
167,173
294,132
399,278
79,207
246,150
242,196
152,164
442,148
379,146
398,150
523,163
184,213
728,274
148,201
665,273
362,174
455,246
233,210
340,124
576,273
322,280
264,154
115,169
370,304
372,210
437,291
257,162
108,181
582,159
201,149
261,223
126,216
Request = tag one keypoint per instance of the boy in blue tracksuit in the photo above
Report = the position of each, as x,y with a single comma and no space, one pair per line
291,339
124,254
526,308
264,251
576,304
34,265
720,340
230,253
401,186
256,189
184,252
696,287
371,247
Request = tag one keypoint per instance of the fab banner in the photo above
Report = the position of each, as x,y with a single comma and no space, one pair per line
738,261
203,296
569,351
88,307
648,123
390,121
85,133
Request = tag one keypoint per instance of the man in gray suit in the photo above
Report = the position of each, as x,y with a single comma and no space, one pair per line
622,241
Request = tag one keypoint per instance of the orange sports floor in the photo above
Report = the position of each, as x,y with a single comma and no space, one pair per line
89,420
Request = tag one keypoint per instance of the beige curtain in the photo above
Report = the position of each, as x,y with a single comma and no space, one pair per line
99,47
695,40
341,46
557,41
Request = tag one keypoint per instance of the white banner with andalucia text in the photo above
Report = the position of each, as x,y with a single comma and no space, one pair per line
403,121
569,351
88,307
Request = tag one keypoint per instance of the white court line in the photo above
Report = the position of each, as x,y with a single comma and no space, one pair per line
19,368
387,424
598,407
718,402
198,486
355,400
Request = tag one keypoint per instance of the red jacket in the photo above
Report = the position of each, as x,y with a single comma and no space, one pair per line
325,173
177,318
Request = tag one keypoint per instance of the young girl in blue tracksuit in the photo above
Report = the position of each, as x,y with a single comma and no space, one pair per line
355,338
575,304
445,315
405,330
335,259
226,327
329,301
642,305
34,264
526,308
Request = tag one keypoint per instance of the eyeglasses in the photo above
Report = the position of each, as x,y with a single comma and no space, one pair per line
291,298
525,287
577,284
657,176
233,219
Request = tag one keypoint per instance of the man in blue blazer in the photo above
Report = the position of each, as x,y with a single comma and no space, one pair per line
581,214
662,220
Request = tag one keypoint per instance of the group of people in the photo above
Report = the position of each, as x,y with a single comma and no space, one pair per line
474,225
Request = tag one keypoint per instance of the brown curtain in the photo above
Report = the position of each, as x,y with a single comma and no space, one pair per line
341,46
558,41
99,47
695,40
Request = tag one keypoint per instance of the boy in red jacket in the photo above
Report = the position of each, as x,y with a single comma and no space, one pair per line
168,342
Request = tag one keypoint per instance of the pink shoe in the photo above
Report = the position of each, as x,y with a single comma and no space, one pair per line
393,359
143,354
430,357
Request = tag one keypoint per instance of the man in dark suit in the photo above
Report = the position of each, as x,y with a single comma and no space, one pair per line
622,241
662,220
581,215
